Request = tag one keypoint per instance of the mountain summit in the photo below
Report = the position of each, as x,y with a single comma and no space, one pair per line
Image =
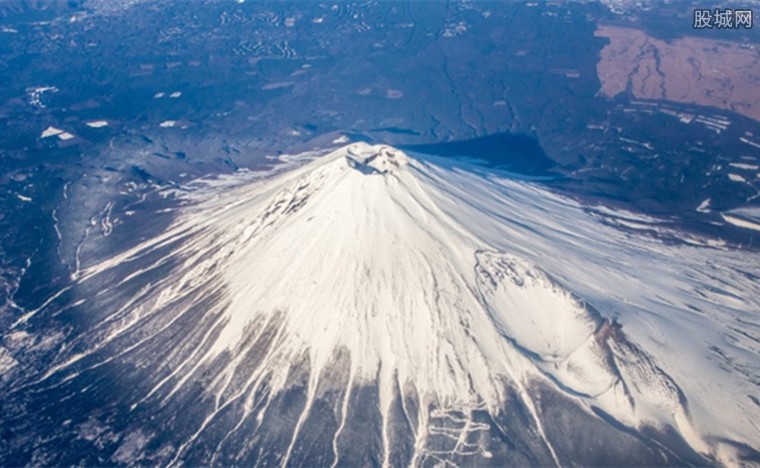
375,160
374,307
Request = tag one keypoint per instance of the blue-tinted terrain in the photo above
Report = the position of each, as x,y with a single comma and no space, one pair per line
109,110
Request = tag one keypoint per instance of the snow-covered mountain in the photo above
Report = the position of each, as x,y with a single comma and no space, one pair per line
374,307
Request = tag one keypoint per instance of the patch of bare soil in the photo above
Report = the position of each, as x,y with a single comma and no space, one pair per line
708,72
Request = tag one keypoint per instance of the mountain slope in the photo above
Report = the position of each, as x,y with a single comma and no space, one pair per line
369,307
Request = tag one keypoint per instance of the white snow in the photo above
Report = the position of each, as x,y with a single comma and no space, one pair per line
7,362
131,447
748,167
704,207
744,223
551,323
277,85
436,277
51,131
749,142
340,140
752,212
35,94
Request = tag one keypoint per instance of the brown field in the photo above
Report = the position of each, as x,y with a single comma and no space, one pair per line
708,72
